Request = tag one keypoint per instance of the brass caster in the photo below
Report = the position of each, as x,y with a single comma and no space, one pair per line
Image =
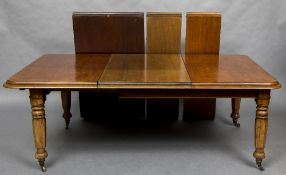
235,117
67,119
42,165
259,165
43,168
236,124
67,124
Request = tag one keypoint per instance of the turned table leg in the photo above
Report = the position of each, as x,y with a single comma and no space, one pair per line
235,104
66,103
261,123
37,100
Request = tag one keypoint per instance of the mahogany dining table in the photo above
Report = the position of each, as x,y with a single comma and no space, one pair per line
145,76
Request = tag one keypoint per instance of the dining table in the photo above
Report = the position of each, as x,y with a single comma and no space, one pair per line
145,76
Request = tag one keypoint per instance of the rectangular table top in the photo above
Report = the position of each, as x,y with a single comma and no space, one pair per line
227,71
61,71
147,71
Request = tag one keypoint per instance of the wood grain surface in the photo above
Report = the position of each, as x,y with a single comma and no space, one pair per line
145,71
164,33
202,36
109,32
61,71
37,101
203,33
163,36
227,71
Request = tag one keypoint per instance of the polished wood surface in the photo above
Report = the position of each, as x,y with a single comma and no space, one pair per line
203,33
202,36
163,36
164,32
227,72
145,71
139,70
109,32
61,71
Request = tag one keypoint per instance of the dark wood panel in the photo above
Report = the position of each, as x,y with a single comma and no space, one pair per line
189,93
199,109
109,33
105,105
163,36
202,36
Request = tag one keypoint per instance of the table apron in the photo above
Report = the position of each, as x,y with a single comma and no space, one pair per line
190,93
177,93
